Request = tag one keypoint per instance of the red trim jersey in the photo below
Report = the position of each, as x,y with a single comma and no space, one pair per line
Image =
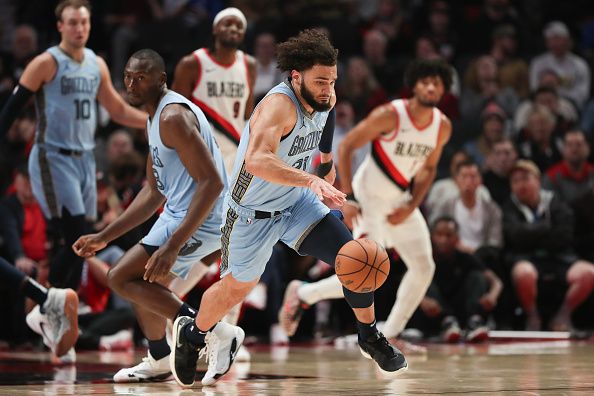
222,92
401,153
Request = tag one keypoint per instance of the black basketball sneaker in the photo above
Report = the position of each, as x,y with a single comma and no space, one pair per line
389,359
184,357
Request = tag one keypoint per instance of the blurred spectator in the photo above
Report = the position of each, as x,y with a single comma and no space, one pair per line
513,70
22,226
584,225
538,228
345,121
574,175
118,143
478,32
267,74
446,188
463,289
15,147
493,130
481,86
587,122
573,70
564,111
391,21
387,71
24,48
440,29
361,88
536,141
498,166
477,215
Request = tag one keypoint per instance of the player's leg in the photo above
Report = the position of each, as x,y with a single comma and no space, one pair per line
323,238
56,316
413,243
246,247
58,182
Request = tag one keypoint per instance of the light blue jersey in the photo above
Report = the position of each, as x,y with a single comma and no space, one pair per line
292,212
66,106
295,149
176,184
172,178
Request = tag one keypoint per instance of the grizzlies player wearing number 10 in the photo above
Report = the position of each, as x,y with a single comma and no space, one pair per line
272,198
67,80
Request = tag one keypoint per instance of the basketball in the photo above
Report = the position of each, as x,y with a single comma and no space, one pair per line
362,265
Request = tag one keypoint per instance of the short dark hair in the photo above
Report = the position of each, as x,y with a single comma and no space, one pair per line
464,164
423,68
310,47
152,56
76,4
444,219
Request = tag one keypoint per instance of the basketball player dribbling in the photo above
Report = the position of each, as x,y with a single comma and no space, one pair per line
272,198
407,138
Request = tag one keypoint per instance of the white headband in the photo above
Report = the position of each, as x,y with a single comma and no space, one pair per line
231,11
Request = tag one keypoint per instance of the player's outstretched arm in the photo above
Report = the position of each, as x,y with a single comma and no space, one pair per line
275,117
252,75
38,72
425,176
120,111
148,200
381,120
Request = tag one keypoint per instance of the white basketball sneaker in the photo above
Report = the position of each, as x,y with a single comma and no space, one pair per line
59,324
149,370
222,344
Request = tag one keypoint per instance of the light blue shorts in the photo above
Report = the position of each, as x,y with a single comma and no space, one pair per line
63,181
247,242
206,240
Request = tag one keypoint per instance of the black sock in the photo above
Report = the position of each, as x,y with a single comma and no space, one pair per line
186,310
194,334
159,348
366,329
35,292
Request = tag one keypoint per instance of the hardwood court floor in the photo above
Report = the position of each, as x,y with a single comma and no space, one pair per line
527,368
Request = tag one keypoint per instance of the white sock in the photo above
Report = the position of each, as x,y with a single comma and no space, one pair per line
232,316
411,291
328,288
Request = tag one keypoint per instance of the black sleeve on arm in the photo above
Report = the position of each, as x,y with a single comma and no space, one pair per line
325,145
13,107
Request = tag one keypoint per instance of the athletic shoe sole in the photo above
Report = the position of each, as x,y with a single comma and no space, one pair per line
386,373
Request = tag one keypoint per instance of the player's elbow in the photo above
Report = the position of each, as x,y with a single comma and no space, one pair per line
252,164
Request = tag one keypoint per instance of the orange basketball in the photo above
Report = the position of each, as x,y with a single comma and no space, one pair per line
362,265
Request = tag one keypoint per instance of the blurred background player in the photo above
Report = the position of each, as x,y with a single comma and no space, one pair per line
407,138
67,80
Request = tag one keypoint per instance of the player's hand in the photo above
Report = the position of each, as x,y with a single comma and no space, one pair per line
323,189
160,263
25,264
431,307
400,214
488,302
87,245
351,211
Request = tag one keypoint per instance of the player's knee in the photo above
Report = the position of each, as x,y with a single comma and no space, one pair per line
234,291
114,280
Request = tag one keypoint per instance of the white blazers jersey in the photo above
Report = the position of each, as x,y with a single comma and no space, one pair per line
222,92
399,154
